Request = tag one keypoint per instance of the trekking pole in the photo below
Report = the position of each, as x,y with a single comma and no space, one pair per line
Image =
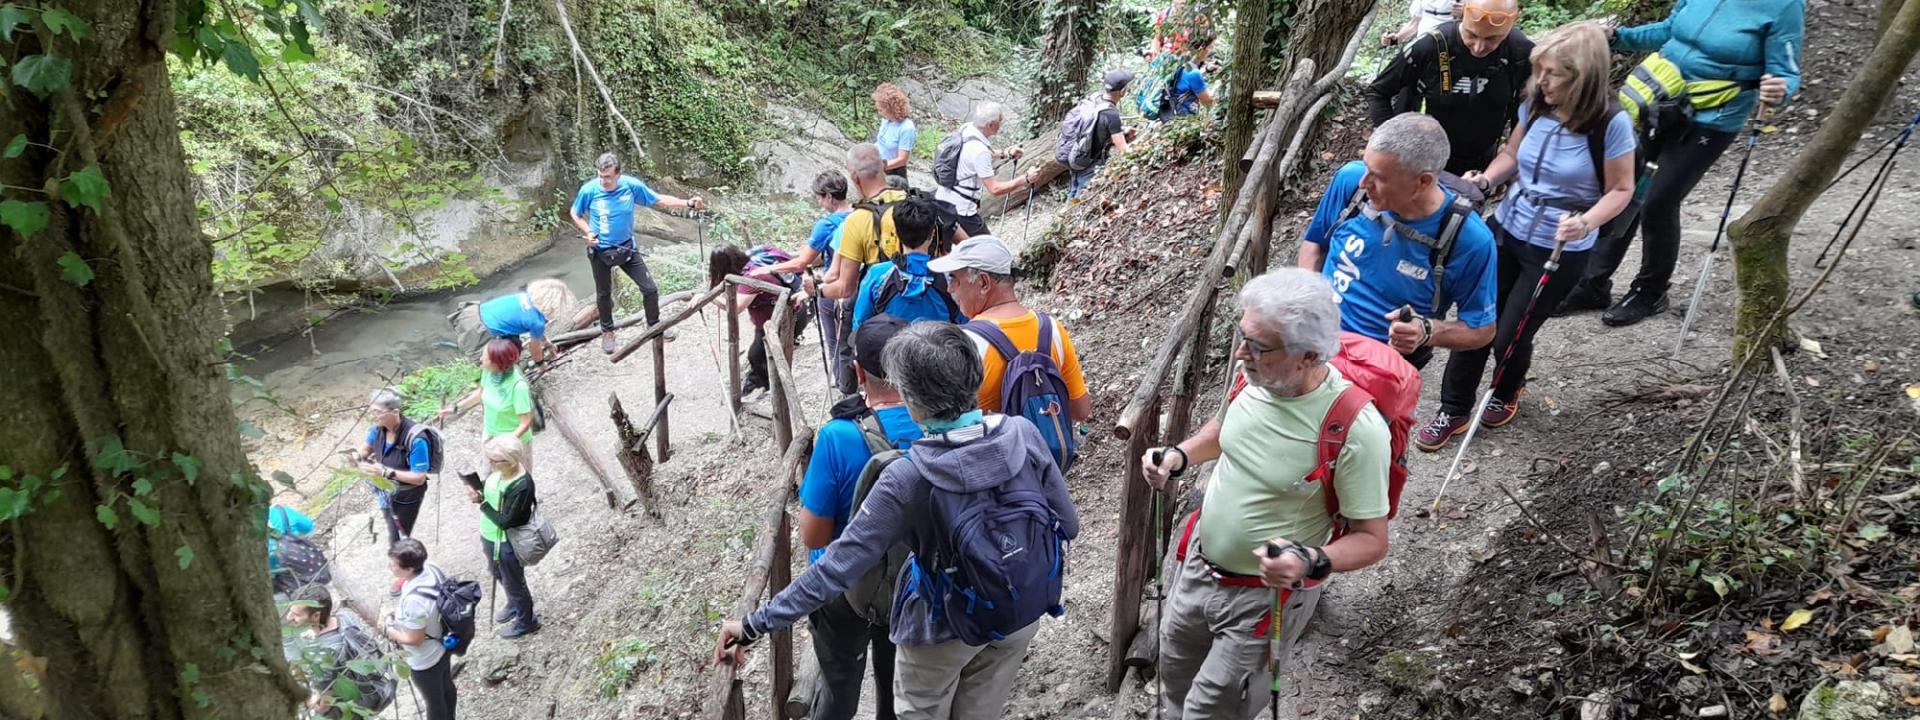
820,332
1706,263
1274,627
1500,370
1886,168
1027,223
1159,590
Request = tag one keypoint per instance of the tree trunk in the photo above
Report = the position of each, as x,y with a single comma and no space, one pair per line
1761,236
171,618
1889,9
1320,29
1073,31
1245,71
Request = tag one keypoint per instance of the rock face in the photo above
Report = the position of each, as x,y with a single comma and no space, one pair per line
1849,700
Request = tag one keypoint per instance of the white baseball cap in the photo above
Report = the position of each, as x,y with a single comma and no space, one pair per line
980,252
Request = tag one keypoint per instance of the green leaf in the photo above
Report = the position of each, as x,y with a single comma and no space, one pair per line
210,40
1871,533
189,466
1669,482
42,74
85,188
185,553
1556,599
25,217
13,16
58,20
142,487
145,514
240,60
75,270
112,455
106,516
16,146
281,476
190,674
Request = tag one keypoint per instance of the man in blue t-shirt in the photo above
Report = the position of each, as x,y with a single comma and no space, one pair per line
1381,259
1185,89
535,311
603,210
841,637
916,294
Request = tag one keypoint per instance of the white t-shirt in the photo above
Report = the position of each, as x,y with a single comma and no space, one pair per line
419,612
976,162
1431,13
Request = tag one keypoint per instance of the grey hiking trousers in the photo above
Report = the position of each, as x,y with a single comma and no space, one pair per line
1212,664
957,681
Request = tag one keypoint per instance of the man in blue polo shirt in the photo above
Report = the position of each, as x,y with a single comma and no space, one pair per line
1381,259
841,637
603,210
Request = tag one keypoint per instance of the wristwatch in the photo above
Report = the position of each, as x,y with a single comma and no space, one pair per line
1319,566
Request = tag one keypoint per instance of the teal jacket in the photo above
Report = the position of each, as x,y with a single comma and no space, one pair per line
1727,40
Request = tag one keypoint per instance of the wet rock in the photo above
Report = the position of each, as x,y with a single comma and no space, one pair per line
1848,700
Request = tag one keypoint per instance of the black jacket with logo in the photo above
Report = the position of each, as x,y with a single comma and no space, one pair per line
1474,98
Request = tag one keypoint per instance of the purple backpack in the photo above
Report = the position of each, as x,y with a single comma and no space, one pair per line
994,565
1032,388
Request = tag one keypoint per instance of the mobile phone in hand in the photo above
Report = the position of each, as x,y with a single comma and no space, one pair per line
471,479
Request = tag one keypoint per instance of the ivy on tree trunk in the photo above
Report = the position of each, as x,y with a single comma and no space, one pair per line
1761,236
1073,31
136,576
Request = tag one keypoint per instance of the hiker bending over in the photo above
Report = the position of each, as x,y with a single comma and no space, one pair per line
830,193
1732,57
416,626
963,167
329,639
1572,171
1222,583
760,304
1468,75
950,663
982,281
401,451
850,447
506,499
603,210
896,135
1389,236
905,288
1092,132
537,310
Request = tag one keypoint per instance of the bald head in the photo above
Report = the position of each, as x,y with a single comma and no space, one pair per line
1485,24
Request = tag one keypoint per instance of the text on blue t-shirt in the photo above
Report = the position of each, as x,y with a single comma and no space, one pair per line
610,212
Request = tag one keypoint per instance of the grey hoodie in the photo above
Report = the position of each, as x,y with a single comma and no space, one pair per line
969,459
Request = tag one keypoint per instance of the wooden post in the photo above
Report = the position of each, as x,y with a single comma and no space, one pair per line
661,397
800,698
724,697
733,348
1131,557
736,704
779,575
633,448
778,361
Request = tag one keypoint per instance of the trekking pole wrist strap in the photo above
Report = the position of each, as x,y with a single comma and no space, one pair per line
1184,462
1319,566
748,633
1426,331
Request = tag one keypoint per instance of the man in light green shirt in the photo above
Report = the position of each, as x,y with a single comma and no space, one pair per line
1222,583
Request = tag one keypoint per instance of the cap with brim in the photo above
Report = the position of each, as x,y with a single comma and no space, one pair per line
870,339
980,252
1118,79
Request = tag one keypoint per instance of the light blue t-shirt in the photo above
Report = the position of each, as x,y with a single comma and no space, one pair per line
610,212
839,453
1374,278
894,136
512,316
1186,91
918,299
1555,162
284,520
826,235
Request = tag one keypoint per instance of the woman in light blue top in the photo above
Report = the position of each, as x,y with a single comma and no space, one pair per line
896,135
1572,171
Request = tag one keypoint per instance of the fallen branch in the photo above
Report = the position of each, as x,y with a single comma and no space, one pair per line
594,72
1796,428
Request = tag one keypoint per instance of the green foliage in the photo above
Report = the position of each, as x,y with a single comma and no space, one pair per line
84,188
1727,544
26,217
621,664
42,74
435,386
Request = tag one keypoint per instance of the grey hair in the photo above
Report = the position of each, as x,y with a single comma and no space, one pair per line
863,160
936,369
987,113
1300,305
1415,139
607,161
387,398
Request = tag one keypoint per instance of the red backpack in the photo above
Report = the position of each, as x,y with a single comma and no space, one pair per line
1387,381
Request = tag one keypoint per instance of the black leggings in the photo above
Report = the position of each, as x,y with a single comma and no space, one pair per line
404,509
1519,268
757,352
636,268
1682,164
436,687
513,580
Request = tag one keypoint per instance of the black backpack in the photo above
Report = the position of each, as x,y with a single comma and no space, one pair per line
1440,248
872,595
946,164
942,230
456,601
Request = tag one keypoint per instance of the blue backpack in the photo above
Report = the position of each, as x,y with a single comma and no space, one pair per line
995,561
1032,388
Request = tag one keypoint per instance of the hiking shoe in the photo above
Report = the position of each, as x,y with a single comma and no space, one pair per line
1435,434
1633,308
1583,299
397,584
1499,412
505,616
518,629
606,342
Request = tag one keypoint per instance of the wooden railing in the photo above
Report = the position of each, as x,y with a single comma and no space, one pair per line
1241,248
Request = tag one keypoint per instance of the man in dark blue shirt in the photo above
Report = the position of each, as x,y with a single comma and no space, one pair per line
603,210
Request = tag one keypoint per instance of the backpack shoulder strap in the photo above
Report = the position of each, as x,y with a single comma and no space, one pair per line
1442,253
1353,206
874,433
1446,58
995,337
1045,346
939,284
1333,438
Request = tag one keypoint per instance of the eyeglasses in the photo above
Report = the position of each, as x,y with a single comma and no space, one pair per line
1254,348
1495,18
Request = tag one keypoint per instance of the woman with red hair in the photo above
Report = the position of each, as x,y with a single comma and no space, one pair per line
506,400
897,134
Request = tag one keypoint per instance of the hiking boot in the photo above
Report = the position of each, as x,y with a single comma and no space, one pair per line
1500,412
606,342
748,388
518,629
1435,434
1633,308
397,584
1583,299
505,616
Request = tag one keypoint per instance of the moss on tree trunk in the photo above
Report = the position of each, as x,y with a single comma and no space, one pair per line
1245,72
1073,31
167,619
1760,237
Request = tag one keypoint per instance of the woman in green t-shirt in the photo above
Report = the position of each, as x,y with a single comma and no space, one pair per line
506,401
506,501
